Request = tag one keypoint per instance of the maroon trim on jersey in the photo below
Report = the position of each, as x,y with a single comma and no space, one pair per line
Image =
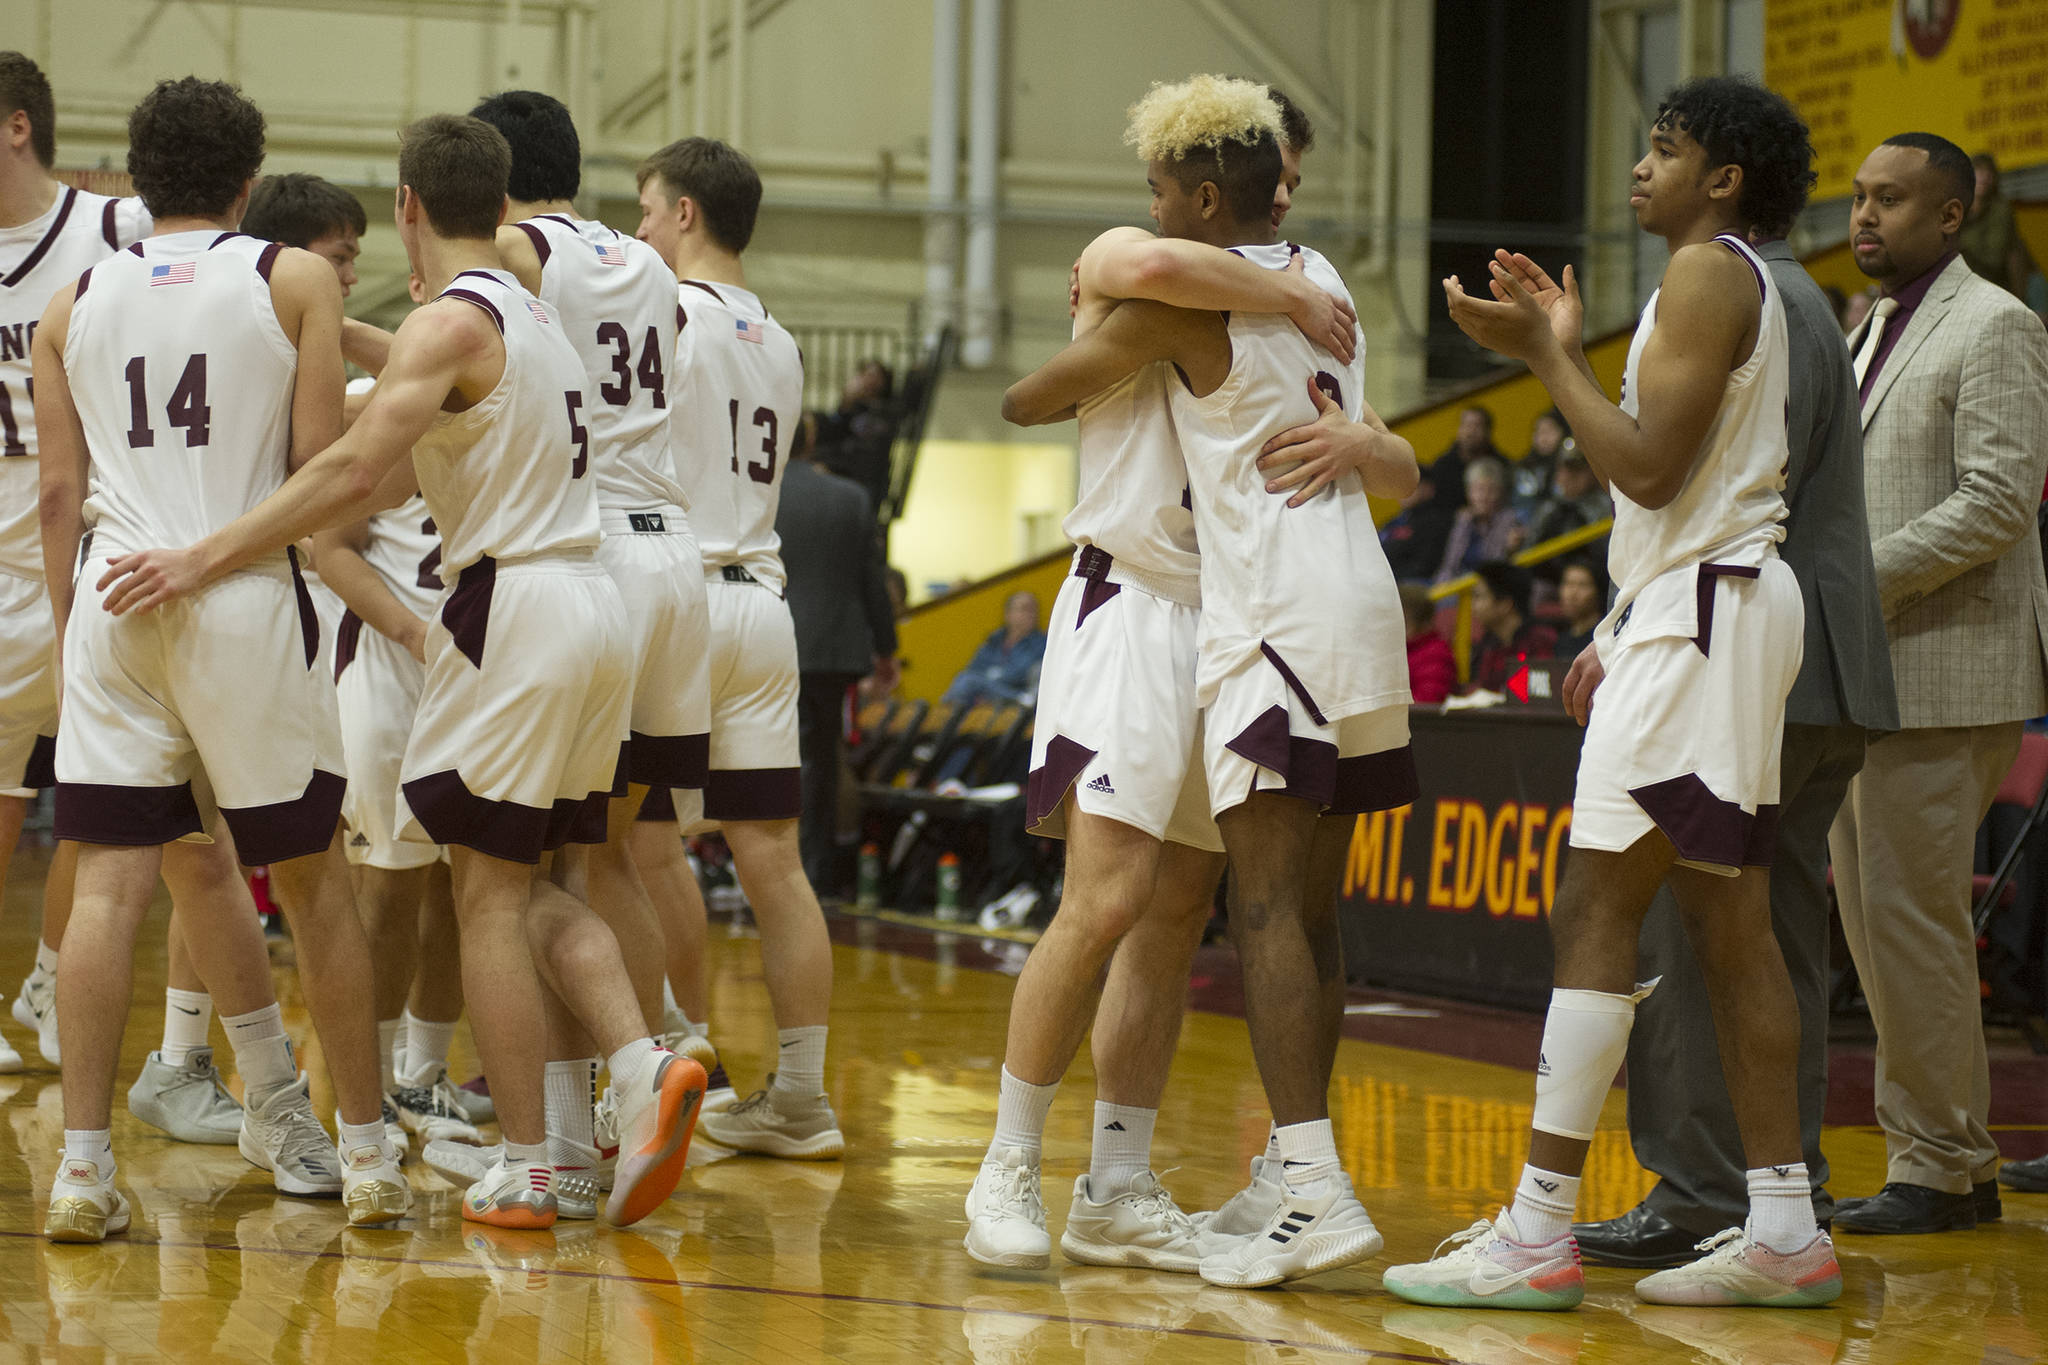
125,817
41,769
110,227
471,296
1729,240
309,619
699,284
42,248
466,614
1705,602
268,260
1047,785
346,637
668,760
226,237
284,830
1093,564
135,250
565,220
1308,766
754,794
1370,782
1293,683
659,807
539,240
83,280
452,814
1706,829
682,318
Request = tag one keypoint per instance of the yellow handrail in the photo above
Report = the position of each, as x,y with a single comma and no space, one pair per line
1461,586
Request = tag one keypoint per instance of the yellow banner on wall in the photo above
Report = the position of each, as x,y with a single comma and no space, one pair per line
1859,71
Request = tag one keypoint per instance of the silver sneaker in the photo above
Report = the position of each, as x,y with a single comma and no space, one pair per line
775,1123
280,1135
461,1164
1247,1211
425,1105
1140,1228
189,1101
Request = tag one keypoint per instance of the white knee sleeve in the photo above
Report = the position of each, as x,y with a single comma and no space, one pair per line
1585,1037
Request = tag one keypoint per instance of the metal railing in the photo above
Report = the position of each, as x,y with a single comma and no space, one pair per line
1461,586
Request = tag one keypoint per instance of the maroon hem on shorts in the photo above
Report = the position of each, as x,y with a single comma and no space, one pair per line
132,817
1308,767
284,830
452,814
668,760
1706,829
1369,782
466,614
41,770
658,807
754,794
1047,785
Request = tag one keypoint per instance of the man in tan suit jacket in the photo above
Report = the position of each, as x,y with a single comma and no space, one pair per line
1953,373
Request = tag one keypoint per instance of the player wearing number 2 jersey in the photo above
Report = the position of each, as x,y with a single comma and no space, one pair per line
738,382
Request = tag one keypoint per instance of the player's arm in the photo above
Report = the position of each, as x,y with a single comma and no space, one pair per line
516,250
339,553
441,348
307,297
1135,334
1130,263
365,345
1708,305
61,457
1303,460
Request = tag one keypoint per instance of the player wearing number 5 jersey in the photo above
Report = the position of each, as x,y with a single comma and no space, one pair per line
738,390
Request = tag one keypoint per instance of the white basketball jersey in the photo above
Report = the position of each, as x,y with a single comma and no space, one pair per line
1731,508
510,477
36,260
739,383
404,548
615,299
1133,499
183,378
1306,586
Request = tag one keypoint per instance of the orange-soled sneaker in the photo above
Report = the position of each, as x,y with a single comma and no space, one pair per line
1489,1266
515,1196
1738,1271
655,1124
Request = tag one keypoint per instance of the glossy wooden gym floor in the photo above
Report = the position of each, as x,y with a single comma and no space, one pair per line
860,1260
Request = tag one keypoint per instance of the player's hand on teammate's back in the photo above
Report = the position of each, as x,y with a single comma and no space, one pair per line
1325,319
1310,456
1560,302
1581,681
151,578
1515,325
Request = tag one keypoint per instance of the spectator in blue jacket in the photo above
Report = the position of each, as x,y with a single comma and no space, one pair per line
1005,668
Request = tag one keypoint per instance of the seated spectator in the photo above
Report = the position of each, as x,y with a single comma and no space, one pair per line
1582,593
1547,437
1473,443
1414,539
1500,606
1005,668
1432,669
854,441
1487,529
1576,499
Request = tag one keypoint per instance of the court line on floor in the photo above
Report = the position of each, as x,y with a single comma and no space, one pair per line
813,1295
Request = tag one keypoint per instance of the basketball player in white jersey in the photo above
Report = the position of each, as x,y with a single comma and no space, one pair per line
1143,854
524,711
1678,776
205,365
1301,674
615,299
738,383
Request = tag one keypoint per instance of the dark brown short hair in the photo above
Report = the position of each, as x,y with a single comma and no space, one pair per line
23,86
192,146
299,209
459,167
1297,133
718,179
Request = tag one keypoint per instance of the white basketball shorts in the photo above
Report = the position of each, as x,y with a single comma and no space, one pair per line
661,580
28,685
1262,734
1688,723
519,741
227,679
755,770
1118,732
377,687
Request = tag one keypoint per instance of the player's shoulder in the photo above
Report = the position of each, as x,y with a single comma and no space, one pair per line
1711,276
1717,260
459,322
1115,238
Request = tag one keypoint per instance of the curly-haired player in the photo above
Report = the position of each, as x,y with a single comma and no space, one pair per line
1678,777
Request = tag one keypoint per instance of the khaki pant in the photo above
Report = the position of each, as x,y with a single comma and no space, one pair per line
1902,848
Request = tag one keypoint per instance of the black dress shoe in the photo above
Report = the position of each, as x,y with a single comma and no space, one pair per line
1642,1239
1900,1208
1989,1207
2031,1176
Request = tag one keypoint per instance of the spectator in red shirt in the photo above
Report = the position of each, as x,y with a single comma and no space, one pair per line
1500,604
1432,670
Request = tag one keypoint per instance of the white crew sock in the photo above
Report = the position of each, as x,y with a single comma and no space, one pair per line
520,1154
1781,1207
263,1054
359,1134
91,1144
1121,1150
569,1096
1273,1149
800,1069
632,1067
389,1040
186,1016
1020,1115
426,1043
1308,1156
1543,1205
46,963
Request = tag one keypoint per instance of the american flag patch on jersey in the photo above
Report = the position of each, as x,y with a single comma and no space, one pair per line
609,254
180,273
540,314
749,331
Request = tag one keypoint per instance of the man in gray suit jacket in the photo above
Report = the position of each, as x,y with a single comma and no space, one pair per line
1679,1117
1954,378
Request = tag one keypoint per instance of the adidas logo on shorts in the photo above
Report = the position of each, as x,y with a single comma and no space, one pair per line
359,841
1101,784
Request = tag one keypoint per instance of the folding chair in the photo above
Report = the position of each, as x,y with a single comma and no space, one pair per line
2026,788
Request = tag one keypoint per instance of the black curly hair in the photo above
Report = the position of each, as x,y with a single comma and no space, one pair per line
299,209
1741,123
192,146
547,158
24,87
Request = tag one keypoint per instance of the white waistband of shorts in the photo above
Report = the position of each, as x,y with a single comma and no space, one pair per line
1184,589
621,521
577,561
